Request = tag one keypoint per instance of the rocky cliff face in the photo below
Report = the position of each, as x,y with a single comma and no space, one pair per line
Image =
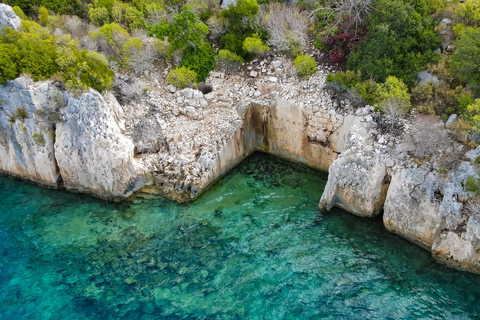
91,151
176,143
27,132
420,202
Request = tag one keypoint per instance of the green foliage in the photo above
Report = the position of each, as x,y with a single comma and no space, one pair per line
19,12
232,43
20,113
466,59
86,69
43,16
8,62
185,29
468,13
305,65
472,185
99,16
348,78
34,55
131,46
33,52
401,43
244,8
393,88
113,34
227,60
474,114
133,18
199,59
181,77
254,45
59,6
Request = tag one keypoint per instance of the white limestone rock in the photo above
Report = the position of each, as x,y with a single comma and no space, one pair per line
8,18
26,144
92,153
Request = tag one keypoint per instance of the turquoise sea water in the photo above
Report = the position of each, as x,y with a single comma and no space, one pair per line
253,247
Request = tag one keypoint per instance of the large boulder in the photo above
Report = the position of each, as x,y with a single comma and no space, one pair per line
358,179
8,18
91,151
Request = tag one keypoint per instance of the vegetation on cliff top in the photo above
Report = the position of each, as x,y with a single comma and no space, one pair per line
383,44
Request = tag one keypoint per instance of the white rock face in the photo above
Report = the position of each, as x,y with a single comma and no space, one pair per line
26,130
92,153
8,18
411,209
358,179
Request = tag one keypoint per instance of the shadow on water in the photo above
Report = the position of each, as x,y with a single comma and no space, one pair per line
253,247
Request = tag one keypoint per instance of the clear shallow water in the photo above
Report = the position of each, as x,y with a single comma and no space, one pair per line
253,247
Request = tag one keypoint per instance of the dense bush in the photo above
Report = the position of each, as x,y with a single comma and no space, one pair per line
305,65
401,42
199,59
393,89
466,59
34,52
181,77
227,60
254,45
185,29
339,44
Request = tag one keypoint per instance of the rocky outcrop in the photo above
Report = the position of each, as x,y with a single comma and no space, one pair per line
27,131
177,142
91,151
8,18
358,179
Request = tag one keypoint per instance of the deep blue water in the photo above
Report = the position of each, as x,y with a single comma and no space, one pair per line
253,247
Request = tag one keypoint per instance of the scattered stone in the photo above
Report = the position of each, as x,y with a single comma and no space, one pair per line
253,74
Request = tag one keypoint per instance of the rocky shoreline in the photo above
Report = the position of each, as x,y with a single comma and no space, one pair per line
175,143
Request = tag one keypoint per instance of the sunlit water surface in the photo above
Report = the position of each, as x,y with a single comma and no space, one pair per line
253,247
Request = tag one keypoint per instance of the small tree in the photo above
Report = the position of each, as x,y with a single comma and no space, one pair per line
466,59
99,16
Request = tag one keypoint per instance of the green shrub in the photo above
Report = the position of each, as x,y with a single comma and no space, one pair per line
19,12
232,43
348,78
185,29
181,77
472,185
20,113
8,62
305,65
43,16
254,45
401,42
393,88
227,60
132,46
199,59
99,16
466,59
133,18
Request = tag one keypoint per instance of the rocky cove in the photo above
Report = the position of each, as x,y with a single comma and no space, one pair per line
176,143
